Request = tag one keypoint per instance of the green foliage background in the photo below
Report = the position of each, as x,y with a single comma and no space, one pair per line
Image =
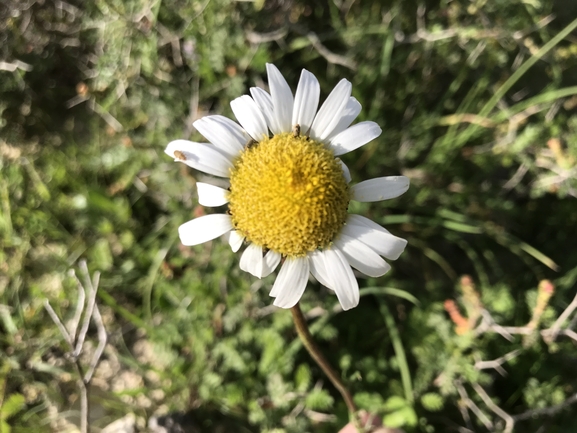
477,102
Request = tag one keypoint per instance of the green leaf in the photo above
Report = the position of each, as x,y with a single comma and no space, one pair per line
12,405
303,377
394,403
319,399
432,401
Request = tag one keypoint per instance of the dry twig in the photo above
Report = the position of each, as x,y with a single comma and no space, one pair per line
549,411
509,421
329,55
474,408
551,333
86,311
496,363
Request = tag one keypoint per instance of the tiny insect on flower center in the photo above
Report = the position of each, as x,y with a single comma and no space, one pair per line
288,194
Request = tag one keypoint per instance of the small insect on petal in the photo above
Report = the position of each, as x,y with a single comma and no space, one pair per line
297,130
179,155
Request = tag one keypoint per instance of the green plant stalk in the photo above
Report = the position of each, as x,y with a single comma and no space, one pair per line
309,343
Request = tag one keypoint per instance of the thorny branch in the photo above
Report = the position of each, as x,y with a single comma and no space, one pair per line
86,311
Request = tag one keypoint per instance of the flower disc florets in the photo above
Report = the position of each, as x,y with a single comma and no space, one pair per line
288,194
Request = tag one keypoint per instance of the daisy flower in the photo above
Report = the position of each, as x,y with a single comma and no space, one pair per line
289,193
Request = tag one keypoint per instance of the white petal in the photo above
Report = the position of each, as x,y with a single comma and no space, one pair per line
200,156
282,98
350,113
346,171
362,257
331,111
364,221
354,137
235,240
343,280
264,103
204,229
271,261
252,260
225,134
374,236
210,195
291,282
380,188
306,101
318,269
250,117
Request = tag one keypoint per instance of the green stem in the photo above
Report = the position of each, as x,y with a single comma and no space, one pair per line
307,339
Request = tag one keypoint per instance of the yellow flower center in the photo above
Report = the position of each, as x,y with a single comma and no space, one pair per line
288,194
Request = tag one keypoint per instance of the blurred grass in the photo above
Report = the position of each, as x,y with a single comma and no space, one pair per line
477,101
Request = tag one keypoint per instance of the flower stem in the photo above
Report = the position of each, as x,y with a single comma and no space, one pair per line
307,339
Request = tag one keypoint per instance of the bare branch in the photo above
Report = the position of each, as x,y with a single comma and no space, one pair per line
553,331
474,408
59,324
102,340
549,411
509,421
549,335
489,324
569,333
106,116
517,177
329,55
91,312
318,417
193,105
464,404
11,67
79,308
167,37
259,38
496,363
87,316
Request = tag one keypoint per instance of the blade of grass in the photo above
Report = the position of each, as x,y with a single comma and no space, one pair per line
475,260
534,252
542,98
517,246
389,43
150,278
500,237
389,291
470,98
434,221
506,86
399,351
127,315
435,257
